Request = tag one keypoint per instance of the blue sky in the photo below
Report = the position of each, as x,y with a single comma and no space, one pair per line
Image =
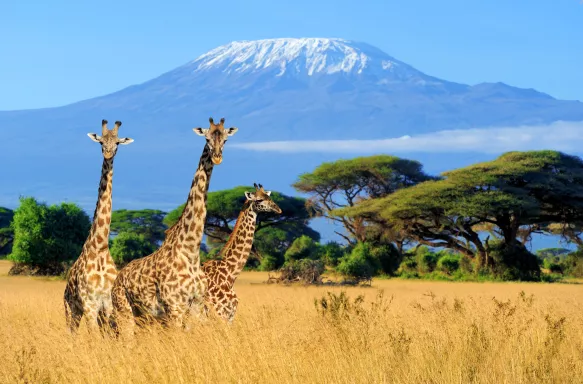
57,52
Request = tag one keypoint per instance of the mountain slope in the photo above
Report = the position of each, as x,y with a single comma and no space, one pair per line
302,84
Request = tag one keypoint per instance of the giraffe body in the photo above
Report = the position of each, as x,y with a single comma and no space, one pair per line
89,281
222,274
166,284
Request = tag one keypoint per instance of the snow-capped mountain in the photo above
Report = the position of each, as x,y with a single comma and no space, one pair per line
301,85
275,89
307,57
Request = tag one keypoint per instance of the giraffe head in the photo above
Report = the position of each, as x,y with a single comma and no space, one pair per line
260,200
109,140
216,137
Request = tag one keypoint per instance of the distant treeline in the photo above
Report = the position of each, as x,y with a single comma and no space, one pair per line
397,221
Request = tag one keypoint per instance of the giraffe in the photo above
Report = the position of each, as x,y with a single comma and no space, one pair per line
221,274
89,281
164,285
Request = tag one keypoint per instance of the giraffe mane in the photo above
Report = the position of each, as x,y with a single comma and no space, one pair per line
238,223
170,231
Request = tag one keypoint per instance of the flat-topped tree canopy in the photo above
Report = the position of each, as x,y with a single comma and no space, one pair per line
515,190
344,183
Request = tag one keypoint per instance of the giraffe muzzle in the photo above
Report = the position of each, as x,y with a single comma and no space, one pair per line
217,160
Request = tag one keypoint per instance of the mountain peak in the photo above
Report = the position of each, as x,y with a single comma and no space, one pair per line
309,56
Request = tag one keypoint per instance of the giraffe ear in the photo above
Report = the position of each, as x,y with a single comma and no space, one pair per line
268,193
125,141
200,131
95,137
249,196
231,131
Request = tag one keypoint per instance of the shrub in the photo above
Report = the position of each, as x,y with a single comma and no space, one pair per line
426,259
48,238
405,274
513,262
448,263
128,246
555,268
408,266
466,264
268,263
304,247
360,263
388,257
304,270
331,253
573,264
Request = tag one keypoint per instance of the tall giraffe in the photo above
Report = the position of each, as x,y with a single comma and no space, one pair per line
165,284
89,281
221,274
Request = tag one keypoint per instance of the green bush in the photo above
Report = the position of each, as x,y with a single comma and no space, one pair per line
426,259
269,263
408,266
47,238
304,247
514,262
388,257
552,278
360,263
466,265
128,246
555,268
448,263
553,264
331,253
356,267
573,264
407,274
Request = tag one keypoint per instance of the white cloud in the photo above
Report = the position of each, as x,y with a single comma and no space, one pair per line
560,135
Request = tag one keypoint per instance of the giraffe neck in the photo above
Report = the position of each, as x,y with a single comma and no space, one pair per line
236,251
189,229
99,233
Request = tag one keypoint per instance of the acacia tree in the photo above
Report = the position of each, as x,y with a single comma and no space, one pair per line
430,214
344,183
518,190
273,233
547,184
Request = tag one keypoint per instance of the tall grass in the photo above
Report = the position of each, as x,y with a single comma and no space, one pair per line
405,332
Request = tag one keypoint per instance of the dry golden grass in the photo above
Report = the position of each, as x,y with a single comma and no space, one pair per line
428,332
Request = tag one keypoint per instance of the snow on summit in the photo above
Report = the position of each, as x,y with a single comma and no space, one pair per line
302,55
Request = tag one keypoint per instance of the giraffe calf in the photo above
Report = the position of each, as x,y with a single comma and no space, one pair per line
222,274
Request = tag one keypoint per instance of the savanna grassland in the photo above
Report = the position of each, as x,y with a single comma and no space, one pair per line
413,332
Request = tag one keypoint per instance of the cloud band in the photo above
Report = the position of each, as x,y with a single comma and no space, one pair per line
560,135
